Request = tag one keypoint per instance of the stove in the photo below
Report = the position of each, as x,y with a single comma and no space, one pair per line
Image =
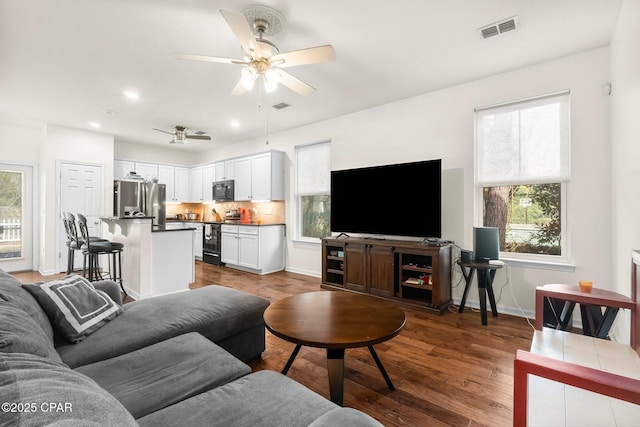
212,244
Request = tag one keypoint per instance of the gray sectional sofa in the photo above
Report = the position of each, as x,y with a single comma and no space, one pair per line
175,360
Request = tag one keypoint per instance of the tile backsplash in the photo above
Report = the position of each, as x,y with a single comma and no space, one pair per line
265,212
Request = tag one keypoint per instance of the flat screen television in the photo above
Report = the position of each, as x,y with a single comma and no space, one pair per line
392,200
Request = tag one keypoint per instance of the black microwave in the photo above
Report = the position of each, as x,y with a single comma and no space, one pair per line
223,191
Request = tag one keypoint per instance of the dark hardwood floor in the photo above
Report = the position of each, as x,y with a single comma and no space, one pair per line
448,370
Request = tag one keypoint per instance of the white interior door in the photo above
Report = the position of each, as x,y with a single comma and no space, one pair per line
16,217
81,191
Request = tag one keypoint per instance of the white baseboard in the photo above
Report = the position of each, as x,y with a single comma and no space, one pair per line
304,272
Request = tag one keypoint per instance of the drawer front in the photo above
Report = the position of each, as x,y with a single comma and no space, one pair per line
244,229
226,228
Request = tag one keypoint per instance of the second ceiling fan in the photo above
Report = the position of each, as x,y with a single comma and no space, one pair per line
261,56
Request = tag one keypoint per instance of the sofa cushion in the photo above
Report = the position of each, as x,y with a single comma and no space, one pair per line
11,291
264,398
213,311
19,333
54,395
74,306
165,373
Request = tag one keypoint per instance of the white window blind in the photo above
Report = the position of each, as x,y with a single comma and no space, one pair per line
524,142
313,169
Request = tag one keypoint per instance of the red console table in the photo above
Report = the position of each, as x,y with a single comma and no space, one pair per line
594,322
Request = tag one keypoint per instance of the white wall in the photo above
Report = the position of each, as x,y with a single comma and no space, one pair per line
625,148
155,154
72,145
20,143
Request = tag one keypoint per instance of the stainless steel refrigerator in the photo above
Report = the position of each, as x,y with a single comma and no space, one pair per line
135,198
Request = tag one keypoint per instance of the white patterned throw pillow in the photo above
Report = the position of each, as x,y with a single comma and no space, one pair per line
76,309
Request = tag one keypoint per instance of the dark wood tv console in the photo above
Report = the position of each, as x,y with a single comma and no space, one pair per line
396,269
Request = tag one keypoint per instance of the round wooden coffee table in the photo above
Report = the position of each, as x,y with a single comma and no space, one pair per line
335,320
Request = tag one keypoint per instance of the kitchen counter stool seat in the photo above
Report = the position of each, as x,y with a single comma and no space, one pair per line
74,243
92,251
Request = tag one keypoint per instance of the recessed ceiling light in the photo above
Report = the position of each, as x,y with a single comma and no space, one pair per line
110,113
234,123
133,96
94,124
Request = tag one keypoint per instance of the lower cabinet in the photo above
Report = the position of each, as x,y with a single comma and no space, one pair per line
198,237
406,271
254,248
370,268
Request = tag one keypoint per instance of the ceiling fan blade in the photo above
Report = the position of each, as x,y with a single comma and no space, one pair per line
241,29
163,131
205,137
239,89
190,57
312,55
295,84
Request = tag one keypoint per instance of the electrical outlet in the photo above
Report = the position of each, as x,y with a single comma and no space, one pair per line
269,211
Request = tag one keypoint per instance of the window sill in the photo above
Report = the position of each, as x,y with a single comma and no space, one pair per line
307,241
541,265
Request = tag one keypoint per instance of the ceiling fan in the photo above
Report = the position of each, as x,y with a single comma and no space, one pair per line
261,56
180,135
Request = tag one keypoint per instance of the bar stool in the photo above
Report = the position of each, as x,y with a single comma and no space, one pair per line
74,243
92,250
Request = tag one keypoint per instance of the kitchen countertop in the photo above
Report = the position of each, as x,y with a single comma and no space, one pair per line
161,228
117,218
197,221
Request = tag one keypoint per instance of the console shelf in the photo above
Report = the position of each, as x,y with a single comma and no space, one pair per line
396,269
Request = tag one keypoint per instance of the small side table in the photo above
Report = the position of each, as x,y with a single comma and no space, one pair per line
486,273
594,322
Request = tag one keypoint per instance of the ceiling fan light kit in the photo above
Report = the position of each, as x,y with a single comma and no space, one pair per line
180,135
261,57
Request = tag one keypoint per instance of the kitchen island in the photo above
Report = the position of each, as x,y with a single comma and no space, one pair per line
155,260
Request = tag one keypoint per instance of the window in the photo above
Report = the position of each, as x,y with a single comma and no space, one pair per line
11,183
313,185
523,163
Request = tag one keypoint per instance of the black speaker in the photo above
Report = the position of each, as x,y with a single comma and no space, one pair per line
466,256
486,243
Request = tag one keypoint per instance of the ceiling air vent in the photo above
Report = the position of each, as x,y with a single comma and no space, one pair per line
500,27
281,105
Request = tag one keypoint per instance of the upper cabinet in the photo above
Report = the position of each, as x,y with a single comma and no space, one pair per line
201,183
225,170
148,171
208,178
260,177
122,168
196,184
257,177
176,179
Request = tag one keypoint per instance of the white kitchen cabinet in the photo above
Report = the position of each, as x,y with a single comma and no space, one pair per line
224,170
230,244
121,168
195,187
148,171
260,177
242,179
198,236
208,178
176,179
181,183
201,180
254,248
